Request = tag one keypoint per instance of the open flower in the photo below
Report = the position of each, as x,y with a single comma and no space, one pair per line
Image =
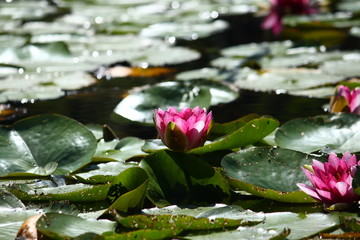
280,8
332,180
184,130
346,100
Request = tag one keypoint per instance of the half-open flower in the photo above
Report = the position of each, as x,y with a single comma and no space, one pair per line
184,130
332,180
346,100
280,8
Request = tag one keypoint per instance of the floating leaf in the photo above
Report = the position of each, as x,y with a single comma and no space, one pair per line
61,226
351,222
140,105
300,225
269,173
211,212
103,172
120,150
127,191
184,30
255,49
345,69
149,234
252,132
36,52
33,143
285,79
13,213
31,94
182,222
329,133
243,233
76,192
175,178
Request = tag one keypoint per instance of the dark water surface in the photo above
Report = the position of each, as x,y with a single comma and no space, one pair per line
95,104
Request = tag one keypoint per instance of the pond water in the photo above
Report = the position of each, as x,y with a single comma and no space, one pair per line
95,104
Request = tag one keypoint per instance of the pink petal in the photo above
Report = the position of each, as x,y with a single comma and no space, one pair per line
333,160
181,123
345,92
186,113
342,188
195,138
199,126
326,196
355,100
349,159
309,190
319,184
318,164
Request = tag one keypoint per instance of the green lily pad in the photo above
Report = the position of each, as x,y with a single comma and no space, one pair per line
336,133
268,172
244,233
300,225
285,79
346,69
62,226
320,92
127,191
103,172
76,192
31,94
122,149
13,213
350,221
184,30
212,74
178,178
148,56
139,106
149,234
257,49
179,221
211,212
252,132
36,52
39,143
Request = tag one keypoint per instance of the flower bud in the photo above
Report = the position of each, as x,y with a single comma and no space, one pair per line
184,130
345,100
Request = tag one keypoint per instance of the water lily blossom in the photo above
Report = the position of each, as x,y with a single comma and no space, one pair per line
280,8
346,100
184,130
332,180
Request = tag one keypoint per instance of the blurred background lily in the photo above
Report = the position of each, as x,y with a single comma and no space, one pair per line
332,180
184,130
346,100
280,8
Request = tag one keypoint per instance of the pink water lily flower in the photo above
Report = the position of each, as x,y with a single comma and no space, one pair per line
280,8
346,100
332,180
184,130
